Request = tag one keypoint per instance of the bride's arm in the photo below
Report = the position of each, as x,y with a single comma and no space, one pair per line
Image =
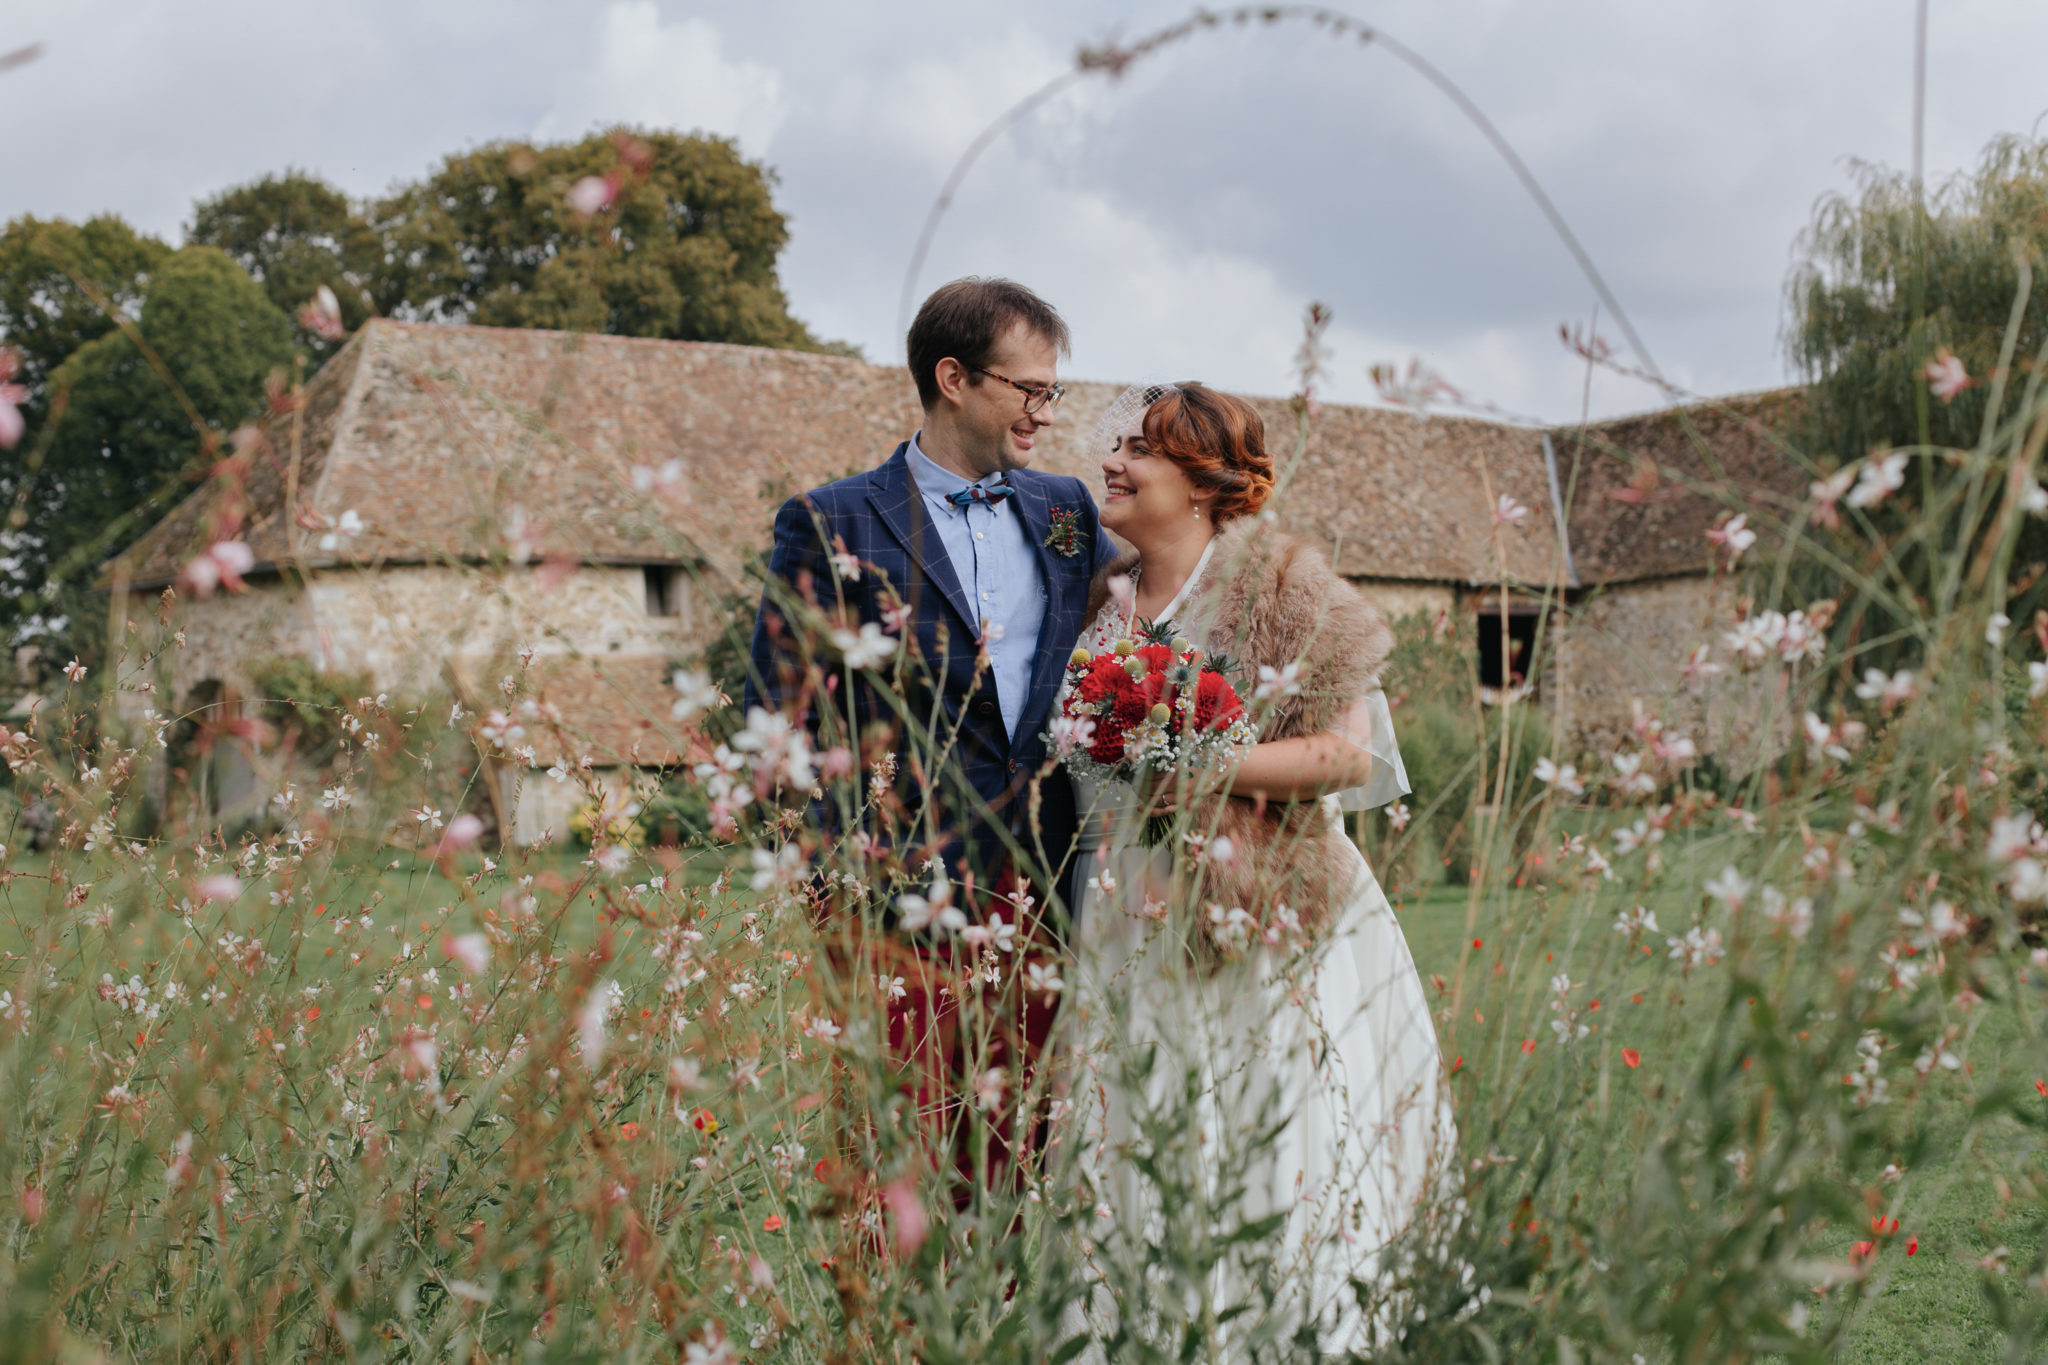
1305,768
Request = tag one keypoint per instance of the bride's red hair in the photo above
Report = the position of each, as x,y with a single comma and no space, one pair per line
1218,441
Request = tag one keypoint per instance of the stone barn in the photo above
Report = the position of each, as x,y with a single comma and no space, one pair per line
448,497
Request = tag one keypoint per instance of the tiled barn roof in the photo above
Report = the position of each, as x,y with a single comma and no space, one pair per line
1641,489
463,441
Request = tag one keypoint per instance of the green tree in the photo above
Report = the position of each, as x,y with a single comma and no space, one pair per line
686,250
49,274
294,233
685,247
126,437
1886,280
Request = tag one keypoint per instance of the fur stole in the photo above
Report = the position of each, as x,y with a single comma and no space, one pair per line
1270,600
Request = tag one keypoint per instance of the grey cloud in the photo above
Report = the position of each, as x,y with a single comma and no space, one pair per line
1180,216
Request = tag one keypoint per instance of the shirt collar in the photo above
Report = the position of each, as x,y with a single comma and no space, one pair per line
936,482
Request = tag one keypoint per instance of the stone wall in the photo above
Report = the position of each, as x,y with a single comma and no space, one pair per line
1612,647
400,624
1622,644
224,634
1631,642
541,805
1397,599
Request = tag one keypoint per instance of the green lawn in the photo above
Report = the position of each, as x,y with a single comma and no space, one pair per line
1931,1306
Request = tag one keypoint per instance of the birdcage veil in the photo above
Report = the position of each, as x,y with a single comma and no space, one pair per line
1127,408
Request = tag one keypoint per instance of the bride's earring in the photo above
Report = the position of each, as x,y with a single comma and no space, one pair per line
1197,508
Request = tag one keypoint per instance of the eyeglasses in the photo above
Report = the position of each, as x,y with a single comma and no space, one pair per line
1034,398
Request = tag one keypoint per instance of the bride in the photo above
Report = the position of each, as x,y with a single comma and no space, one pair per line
1264,1050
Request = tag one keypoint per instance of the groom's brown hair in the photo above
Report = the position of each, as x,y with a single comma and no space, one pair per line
965,320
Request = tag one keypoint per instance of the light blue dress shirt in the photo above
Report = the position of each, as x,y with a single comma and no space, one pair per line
992,556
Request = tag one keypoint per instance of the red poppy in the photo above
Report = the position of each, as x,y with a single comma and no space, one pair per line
772,1223
1631,1058
1528,1045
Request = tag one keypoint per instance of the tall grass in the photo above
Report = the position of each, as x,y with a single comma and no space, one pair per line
1746,1064
339,1086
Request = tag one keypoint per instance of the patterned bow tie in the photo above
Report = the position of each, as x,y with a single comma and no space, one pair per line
991,494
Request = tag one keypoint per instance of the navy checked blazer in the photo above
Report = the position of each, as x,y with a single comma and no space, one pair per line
880,519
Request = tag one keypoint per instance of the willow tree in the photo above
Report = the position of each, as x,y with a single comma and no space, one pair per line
1888,281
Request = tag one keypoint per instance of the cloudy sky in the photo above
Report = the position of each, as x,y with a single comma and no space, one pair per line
1181,216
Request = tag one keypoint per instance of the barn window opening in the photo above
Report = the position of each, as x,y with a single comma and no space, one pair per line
1505,656
667,590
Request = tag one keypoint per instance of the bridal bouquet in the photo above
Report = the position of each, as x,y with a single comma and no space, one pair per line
1147,706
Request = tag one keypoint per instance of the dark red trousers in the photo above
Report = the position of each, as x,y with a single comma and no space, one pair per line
970,1051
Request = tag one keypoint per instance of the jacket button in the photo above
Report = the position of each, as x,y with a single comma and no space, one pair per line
988,708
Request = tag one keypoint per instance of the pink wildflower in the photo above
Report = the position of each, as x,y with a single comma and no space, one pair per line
1946,376
1416,389
906,1211
219,887
1877,479
321,315
594,194
463,832
1827,492
1733,536
1508,512
12,396
471,951
591,1019
220,566
988,1088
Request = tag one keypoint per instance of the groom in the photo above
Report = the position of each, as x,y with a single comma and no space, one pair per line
982,565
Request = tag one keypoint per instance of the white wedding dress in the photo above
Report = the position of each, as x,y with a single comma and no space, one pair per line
1335,1039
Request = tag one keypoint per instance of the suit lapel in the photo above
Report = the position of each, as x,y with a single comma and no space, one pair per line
897,503
1058,631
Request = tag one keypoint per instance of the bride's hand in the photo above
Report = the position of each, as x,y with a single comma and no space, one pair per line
1159,794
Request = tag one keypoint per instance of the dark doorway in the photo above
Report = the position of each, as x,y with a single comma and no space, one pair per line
1505,663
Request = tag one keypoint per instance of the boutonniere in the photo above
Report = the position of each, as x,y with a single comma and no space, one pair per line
1065,536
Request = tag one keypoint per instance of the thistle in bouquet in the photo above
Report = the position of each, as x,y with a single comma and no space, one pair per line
1149,709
